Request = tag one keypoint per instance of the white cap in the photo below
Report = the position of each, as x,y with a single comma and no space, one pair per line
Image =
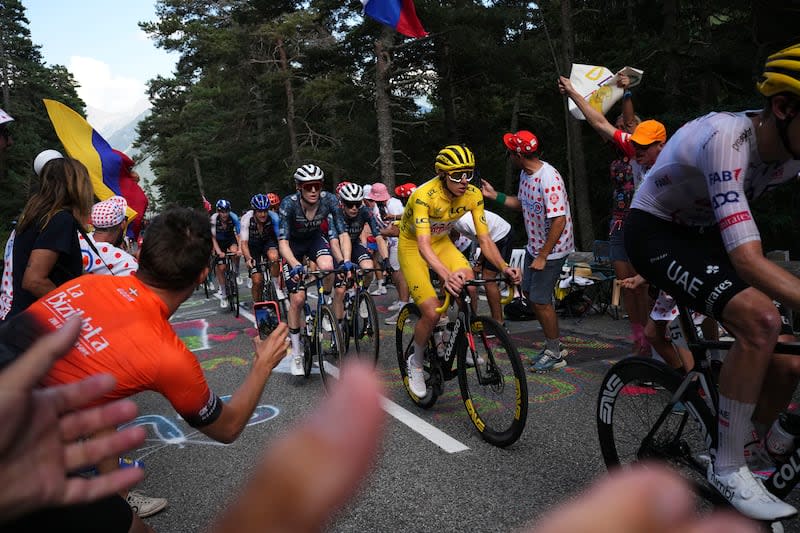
367,189
5,117
43,158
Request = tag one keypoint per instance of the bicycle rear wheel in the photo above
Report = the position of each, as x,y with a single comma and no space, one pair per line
404,343
494,386
329,345
231,291
633,396
365,329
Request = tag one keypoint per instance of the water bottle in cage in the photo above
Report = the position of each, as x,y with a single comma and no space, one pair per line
782,437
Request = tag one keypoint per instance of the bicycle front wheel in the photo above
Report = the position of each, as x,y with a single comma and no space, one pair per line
635,422
365,328
493,382
329,344
232,292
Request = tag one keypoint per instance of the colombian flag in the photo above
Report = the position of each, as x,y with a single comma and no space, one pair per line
399,14
83,143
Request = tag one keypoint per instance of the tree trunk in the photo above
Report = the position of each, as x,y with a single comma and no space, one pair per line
673,67
512,172
198,176
6,84
290,112
578,182
446,90
383,112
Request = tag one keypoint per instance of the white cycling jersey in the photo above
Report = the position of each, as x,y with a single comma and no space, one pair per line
708,172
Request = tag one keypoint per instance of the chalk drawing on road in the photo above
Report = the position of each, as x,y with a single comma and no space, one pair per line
168,432
213,364
193,333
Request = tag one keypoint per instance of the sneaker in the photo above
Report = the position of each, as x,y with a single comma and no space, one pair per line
380,290
392,320
297,365
280,294
549,361
223,303
219,294
416,380
249,283
748,495
145,506
535,359
363,309
396,306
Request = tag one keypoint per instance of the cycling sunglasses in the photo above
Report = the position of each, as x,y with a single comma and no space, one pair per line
463,175
352,204
311,186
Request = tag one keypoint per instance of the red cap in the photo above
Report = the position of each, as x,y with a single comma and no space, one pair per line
523,142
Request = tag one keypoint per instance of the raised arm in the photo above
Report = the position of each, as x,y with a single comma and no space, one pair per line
595,118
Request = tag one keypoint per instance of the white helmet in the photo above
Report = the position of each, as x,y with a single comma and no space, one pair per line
309,173
352,192
43,158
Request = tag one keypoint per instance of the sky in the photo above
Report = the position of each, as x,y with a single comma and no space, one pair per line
102,45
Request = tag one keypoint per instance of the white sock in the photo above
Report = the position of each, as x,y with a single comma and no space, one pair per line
734,433
295,338
419,355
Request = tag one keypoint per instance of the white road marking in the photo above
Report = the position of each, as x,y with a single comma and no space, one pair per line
427,430
430,432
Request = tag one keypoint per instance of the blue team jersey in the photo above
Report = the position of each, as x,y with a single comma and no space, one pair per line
295,225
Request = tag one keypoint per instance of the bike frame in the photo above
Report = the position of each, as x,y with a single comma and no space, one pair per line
787,473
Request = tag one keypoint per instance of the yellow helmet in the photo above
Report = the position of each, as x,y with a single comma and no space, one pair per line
781,72
455,157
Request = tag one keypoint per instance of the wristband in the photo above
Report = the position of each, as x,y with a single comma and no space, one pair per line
501,198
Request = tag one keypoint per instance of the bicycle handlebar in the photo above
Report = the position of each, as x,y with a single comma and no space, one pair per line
476,282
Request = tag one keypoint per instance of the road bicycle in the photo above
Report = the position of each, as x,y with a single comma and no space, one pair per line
649,411
361,318
231,283
268,292
321,336
491,375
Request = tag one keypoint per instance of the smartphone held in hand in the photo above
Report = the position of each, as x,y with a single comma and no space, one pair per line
267,317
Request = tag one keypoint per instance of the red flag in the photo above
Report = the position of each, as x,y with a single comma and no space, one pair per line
206,204
399,14
132,192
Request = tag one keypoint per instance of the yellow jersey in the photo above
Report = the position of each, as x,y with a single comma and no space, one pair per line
432,210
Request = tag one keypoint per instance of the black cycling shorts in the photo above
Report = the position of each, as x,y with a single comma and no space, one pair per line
688,263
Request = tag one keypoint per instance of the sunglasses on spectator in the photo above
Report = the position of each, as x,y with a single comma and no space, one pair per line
311,186
460,176
351,205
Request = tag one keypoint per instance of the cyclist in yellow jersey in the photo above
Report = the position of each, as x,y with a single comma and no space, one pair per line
431,211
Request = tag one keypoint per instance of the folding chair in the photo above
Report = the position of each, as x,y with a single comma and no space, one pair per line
605,279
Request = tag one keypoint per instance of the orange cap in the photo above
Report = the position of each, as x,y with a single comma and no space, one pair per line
648,132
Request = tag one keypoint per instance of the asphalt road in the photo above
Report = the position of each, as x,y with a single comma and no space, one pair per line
415,484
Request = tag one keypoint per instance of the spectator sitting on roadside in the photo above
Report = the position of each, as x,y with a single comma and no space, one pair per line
127,333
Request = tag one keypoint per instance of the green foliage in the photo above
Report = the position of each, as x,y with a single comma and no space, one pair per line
24,81
264,85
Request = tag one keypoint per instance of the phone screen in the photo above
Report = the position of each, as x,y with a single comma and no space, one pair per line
267,317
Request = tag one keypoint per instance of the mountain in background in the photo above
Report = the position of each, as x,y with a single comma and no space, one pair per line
121,135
